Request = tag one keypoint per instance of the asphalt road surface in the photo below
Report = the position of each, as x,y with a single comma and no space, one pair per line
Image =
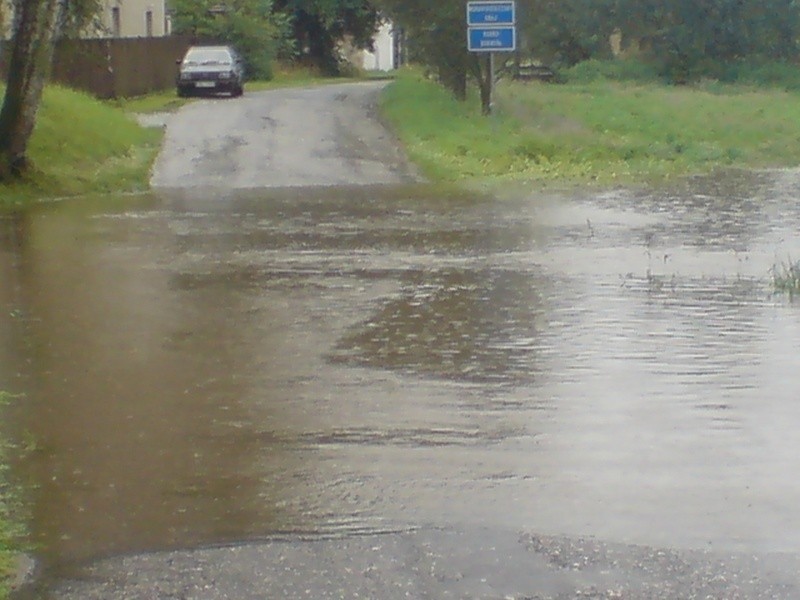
292,137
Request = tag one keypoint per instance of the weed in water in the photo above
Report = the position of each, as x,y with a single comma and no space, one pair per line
786,277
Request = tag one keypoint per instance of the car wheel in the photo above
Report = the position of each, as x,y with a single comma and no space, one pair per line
183,93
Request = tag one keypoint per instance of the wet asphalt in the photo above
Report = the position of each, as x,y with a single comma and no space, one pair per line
297,137
434,563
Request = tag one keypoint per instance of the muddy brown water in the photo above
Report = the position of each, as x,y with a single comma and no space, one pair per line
308,363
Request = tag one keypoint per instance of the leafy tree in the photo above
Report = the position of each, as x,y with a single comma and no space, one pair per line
687,39
321,25
682,38
565,32
251,25
437,37
80,15
35,28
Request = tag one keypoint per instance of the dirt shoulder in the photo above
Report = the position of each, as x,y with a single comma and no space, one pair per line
318,136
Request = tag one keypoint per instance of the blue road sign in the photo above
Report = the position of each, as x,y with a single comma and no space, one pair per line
492,39
491,12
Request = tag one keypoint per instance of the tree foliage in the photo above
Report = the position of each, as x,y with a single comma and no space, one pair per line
436,34
252,26
688,39
565,32
35,29
76,16
321,25
79,15
683,38
680,39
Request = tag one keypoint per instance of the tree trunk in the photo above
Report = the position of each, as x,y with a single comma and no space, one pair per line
480,67
486,85
455,80
36,22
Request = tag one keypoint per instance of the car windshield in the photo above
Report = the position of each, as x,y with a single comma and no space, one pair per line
207,56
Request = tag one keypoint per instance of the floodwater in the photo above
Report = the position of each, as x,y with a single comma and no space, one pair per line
199,370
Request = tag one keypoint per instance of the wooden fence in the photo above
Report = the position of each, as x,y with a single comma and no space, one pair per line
116,68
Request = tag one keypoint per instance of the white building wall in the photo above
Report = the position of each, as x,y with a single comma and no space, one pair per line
382,58
133,18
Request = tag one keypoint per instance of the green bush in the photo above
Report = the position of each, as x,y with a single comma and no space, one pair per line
776,74
259,35
593,70
255,42
765,74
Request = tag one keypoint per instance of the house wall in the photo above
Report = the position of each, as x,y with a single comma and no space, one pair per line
132,19
382,58
5,20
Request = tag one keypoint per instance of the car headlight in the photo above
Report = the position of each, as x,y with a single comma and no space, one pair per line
226,75
185,76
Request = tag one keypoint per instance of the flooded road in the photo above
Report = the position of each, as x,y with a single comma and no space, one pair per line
339,370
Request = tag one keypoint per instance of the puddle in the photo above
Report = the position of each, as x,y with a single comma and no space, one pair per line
329,362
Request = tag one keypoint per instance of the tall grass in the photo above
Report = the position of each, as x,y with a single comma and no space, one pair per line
601,130
10,525
746,72
83,145
786,277
589,71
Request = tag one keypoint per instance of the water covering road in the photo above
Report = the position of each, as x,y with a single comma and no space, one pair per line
395,392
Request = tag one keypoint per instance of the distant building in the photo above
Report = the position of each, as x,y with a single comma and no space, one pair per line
382,58
5,20
117,19
132,18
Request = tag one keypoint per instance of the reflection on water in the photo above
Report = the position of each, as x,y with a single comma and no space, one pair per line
205,370
479,325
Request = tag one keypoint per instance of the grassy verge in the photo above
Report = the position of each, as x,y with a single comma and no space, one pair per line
605,132
10,528
81,145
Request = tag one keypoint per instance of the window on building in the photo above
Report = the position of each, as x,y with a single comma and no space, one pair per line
148,23
116,22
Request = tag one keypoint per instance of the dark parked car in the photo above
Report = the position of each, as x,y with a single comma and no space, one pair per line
210,69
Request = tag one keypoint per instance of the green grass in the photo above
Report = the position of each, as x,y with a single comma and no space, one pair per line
599,131
165,101
589,71
10,520
81,145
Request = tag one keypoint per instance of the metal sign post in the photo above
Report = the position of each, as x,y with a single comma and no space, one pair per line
491,27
